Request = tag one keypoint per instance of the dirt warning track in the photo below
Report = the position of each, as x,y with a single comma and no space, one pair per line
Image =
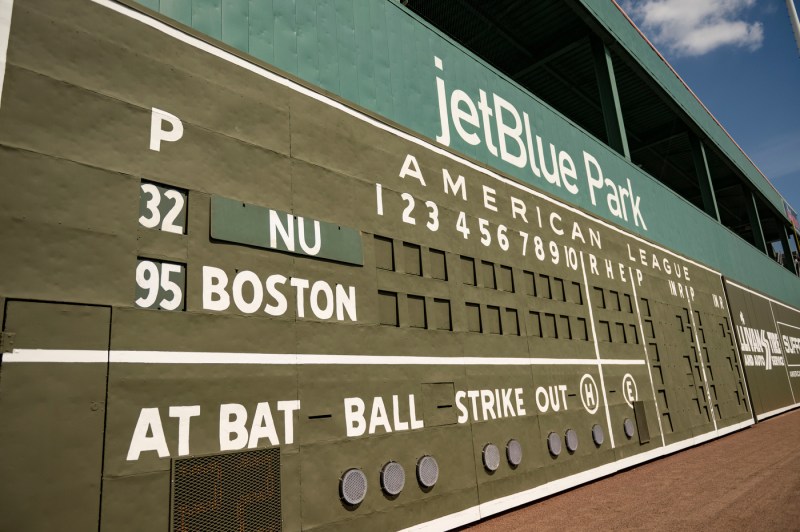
746,481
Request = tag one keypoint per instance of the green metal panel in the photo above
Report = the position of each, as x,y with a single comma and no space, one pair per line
285,31
381,54
366,63
236,24
180,10
307,42
346,50
207,17
261,35
326,35
394,25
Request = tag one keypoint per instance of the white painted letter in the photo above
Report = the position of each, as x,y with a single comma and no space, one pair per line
157,134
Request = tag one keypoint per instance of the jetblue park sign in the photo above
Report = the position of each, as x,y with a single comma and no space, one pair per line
498,126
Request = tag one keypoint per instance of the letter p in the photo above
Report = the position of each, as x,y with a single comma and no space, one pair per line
158,133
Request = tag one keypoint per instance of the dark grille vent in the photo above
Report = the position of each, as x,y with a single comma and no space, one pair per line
237,492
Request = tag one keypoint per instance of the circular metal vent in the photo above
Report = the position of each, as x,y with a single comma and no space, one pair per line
491,457
514,452
628,426
353,486
571,438
554,443
598,435
393,478
427,471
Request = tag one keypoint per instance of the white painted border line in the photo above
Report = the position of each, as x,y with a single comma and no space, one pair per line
788,325
511,501
777,411
264,73
197,357
187,357
6,7
56,355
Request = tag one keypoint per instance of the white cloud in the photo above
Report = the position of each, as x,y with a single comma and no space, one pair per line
696,27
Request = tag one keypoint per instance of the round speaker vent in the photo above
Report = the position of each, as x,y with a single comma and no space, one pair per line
353,486
554,443
491,457
393,478
628,426
598,435
571,437
514,452
427,471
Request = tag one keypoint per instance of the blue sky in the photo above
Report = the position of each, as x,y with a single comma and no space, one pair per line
741,59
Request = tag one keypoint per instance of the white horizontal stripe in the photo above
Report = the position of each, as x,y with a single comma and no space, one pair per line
55,355
194,357
776,412
504,503
197,357
448,521
182,357
262,72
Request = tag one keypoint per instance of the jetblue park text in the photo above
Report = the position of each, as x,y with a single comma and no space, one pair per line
508,135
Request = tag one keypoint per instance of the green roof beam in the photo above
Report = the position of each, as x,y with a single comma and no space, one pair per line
755,223
704,178
609,98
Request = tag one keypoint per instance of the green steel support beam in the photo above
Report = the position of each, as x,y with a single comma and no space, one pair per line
788,261
704,178
609,98
755,223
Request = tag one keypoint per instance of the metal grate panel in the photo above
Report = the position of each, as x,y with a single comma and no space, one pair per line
514,452
554,443
393,478
491,457
353,486
628,426
227,492
571,437
598,435
427,471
